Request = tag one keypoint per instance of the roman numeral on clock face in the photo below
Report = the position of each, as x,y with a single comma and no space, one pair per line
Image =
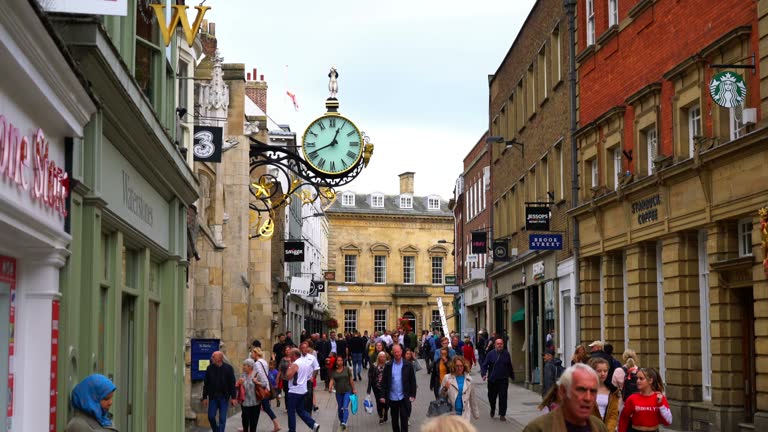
310,144
350,133
322,126
354,143
313,133
351,155
332,122
321,163
313,155
333,166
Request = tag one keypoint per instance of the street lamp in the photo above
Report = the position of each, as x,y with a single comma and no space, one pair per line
507,143
445,241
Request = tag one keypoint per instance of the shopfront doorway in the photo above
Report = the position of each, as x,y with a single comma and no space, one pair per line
410,319
747,303
7,300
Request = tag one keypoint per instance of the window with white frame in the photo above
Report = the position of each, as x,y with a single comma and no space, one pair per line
350,268
348,199
350,320
433,203
616,166
745,237
560,172
406,202
380,269
592,164
590,22
435,317
409,269
437,270
379,320
652,147
613,12
377,200
736,114
694,126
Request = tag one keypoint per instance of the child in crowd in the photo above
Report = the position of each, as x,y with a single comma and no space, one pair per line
273,378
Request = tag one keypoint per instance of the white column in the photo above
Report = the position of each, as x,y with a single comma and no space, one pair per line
37,287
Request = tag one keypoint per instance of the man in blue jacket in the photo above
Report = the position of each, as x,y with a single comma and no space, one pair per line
497,370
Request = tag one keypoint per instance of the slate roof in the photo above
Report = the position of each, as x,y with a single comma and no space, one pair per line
391,206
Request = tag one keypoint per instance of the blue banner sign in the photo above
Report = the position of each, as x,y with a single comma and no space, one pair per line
545,241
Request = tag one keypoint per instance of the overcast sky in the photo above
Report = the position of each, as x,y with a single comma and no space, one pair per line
412,74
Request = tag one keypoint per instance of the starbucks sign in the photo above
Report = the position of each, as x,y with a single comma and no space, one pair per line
728,89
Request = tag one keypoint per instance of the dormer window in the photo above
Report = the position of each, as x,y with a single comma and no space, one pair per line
377,200
433,203
406,202
348,199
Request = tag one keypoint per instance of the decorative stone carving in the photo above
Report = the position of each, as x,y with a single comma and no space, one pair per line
214,96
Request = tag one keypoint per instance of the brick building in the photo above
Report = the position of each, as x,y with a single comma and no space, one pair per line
472,213
531,294
670,187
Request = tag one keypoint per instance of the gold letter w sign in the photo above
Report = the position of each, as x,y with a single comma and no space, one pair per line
179,14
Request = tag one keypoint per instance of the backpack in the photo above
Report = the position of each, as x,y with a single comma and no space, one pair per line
630,384
559,370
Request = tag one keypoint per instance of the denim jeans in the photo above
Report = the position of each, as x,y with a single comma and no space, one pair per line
342,399
219,405
357,365
295,404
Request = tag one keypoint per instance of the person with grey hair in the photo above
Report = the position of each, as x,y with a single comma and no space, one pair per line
577,389
250,403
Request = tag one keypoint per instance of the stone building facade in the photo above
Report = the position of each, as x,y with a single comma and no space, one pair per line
388,260
529,145
670,188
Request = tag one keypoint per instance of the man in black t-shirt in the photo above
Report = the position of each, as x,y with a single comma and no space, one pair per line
357,350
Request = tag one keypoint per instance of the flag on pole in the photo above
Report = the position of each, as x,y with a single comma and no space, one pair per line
293,99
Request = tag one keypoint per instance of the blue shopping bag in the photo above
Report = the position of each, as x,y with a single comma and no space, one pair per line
353,403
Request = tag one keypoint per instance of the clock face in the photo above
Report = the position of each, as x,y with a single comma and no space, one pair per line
332,144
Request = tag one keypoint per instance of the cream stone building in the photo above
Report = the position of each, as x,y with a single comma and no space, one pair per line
388,258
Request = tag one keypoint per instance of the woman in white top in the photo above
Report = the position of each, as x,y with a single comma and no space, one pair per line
261,368
607,406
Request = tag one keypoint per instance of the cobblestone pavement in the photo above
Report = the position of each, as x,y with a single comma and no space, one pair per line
521,409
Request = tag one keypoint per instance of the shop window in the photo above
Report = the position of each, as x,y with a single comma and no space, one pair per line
350,268
350,320
379,320
590,22
694,126
379,269
706,339
130,268
437,270
436,321
409,269
745,237
613,12
152,344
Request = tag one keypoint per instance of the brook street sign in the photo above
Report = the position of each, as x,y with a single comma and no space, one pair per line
545,241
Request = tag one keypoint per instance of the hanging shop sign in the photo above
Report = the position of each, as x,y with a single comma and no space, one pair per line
293,251
55,312
450,279
179,15
728,89
451,289
647,209
538,270
90,7
329,275
209,141
472,258
545,241
301,286
537,218
479,242
500,250
316,287
25,163
8,275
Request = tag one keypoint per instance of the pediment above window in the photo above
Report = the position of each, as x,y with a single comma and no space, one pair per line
350,249
409,250
438,250
380,249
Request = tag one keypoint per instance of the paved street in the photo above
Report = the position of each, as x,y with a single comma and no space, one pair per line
522,408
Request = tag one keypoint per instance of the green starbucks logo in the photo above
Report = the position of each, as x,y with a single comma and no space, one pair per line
728,89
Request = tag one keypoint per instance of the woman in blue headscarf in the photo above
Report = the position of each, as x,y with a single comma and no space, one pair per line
92,399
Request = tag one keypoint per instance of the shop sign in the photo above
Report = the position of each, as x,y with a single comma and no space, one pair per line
538,270
201,351
329,275
293,251
479,242
451,289
545,241
316,287
537,218
646,209
342,289
209,141
450,279
55,311
301,286
90,7
471,258
179,15
8,274
728,89
19,155
501,250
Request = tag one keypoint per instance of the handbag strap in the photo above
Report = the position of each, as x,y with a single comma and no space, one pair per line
265,373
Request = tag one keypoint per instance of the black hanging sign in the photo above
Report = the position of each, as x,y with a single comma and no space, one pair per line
293,251
500,250
316,287
208,143
537,218
479,242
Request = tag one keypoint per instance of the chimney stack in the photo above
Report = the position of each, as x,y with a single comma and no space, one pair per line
256,90
208,38
406,183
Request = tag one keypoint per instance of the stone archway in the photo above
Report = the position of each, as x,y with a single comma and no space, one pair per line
410,317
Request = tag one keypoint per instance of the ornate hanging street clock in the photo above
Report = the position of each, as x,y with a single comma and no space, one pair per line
333,144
